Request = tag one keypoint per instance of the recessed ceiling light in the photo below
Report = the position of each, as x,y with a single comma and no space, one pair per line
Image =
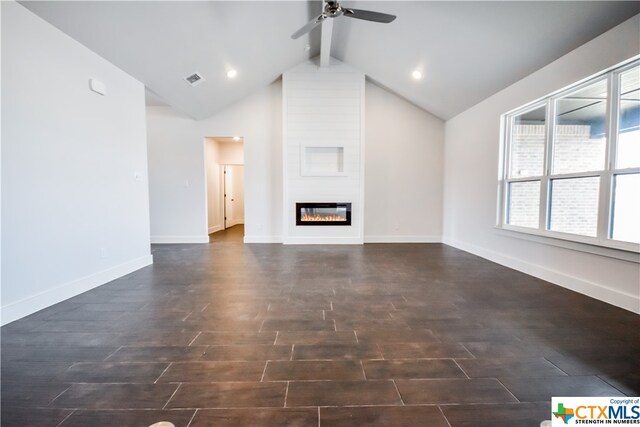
416,75
232,73
236,138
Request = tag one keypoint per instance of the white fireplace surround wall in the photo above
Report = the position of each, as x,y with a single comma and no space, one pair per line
323,148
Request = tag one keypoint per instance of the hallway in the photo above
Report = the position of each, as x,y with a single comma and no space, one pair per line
233,234
386,335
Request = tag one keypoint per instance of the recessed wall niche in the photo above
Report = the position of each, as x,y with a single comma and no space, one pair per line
322,161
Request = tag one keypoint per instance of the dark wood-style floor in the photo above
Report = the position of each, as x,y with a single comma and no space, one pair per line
227,334
233,234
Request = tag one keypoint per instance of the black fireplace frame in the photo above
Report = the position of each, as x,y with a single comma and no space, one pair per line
299,220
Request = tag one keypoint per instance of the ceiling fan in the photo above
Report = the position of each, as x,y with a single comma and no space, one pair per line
332,10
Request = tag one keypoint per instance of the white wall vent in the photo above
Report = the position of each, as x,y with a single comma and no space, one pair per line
194,79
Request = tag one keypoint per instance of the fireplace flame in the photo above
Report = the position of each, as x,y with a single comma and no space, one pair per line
336,218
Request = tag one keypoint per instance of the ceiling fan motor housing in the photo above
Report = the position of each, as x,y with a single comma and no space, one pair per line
332,9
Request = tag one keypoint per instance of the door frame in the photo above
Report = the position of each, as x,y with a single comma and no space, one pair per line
221,184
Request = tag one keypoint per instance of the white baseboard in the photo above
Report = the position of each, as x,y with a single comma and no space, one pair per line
263,239
342,240
214,229
235,222
179,239
320,240
594,290
402,239
37,302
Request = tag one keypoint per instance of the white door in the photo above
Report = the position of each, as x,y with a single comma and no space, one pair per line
233,195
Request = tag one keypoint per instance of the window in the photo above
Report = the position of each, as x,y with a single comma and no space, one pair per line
572,163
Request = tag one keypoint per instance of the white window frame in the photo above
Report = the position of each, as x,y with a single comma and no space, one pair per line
605,200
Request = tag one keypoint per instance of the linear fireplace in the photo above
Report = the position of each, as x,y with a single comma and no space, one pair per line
323,213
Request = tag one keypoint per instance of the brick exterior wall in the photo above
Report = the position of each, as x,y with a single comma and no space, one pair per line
574,206
575,201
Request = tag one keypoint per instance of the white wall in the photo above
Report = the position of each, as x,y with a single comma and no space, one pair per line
176,155
395,177
176,178
73,215
471,173
404,170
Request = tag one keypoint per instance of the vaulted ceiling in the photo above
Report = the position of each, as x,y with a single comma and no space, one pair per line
466,50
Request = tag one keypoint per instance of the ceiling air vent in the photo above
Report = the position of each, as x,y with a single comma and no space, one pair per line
194,79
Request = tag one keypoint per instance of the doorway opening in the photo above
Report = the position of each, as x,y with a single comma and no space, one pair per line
224,165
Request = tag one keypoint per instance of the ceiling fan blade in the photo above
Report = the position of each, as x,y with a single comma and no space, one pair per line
309,26
369,15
